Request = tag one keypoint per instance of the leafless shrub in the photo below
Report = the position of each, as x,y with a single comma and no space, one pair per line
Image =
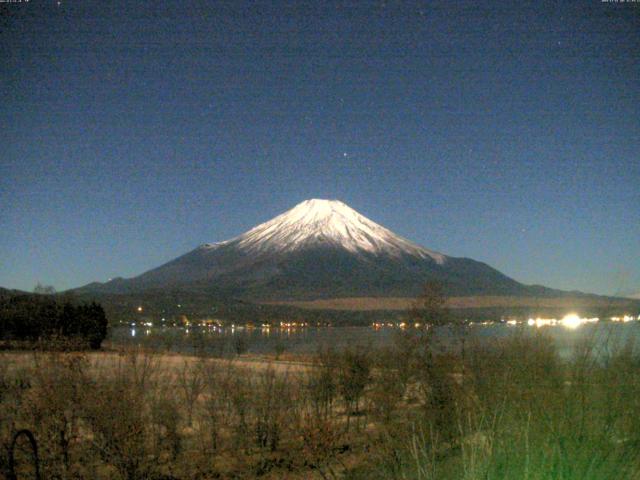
216,405
279,348
117,420
165,422
320,437
191,383
240,344
321,383
388,385
240,394
274,405
50,407
354,369
117,413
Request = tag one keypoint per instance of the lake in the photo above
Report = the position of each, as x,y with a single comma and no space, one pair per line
227,341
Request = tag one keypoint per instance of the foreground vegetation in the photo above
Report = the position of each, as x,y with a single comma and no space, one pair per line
415,410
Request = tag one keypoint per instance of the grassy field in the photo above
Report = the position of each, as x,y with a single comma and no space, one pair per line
512,409
404,303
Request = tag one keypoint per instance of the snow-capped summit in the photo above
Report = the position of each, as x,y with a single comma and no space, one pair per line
330,222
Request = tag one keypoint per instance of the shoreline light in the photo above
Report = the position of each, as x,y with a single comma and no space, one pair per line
571,321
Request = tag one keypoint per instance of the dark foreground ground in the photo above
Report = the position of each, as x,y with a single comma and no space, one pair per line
512,408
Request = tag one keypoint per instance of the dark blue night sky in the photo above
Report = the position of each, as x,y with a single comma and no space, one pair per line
133,131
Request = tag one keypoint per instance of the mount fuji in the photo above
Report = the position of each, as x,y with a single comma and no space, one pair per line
318,249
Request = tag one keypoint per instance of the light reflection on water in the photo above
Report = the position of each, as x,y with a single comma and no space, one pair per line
229,340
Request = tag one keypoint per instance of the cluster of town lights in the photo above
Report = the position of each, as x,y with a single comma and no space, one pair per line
573,321
570,321
403,325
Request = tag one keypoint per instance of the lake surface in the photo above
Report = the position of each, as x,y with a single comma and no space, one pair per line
227,341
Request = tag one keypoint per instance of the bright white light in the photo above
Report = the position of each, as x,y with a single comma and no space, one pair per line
545,322
571,321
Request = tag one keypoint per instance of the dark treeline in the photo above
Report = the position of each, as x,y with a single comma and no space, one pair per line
35,317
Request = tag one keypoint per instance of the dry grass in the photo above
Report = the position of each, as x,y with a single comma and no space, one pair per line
405,303
167,362
511,409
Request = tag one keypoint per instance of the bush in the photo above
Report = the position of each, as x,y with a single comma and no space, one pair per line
511,408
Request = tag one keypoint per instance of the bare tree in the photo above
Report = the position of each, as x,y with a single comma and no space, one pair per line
44,289
430,308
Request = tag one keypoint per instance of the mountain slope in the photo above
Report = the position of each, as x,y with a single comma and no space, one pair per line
319,249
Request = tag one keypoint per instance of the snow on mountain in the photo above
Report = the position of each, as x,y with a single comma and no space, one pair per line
318,249
326,222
